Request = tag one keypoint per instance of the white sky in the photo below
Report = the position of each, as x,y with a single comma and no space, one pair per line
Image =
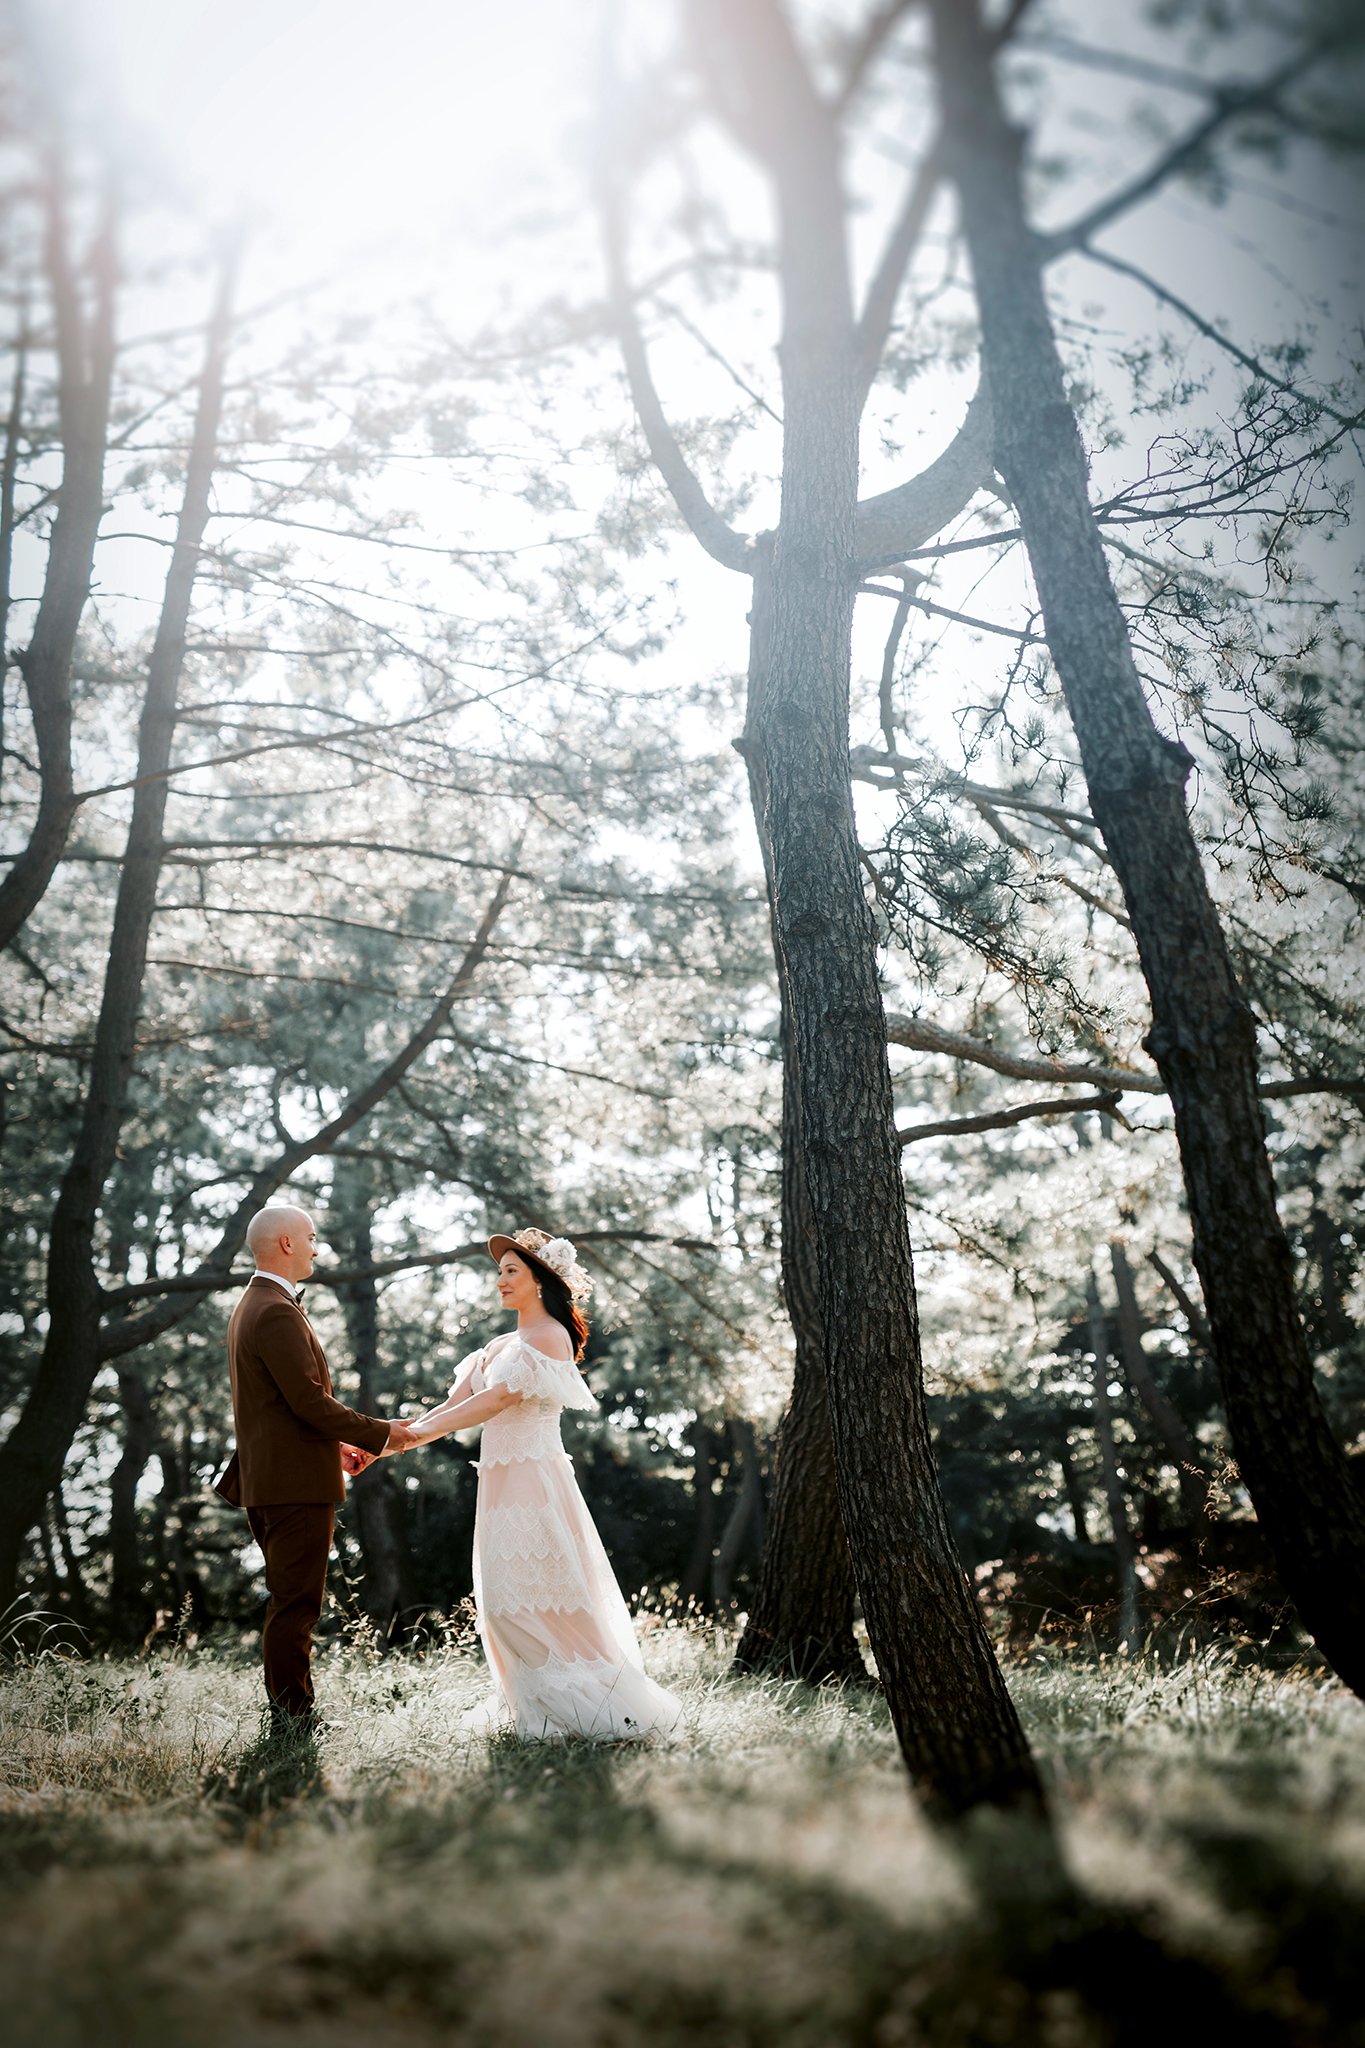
393,151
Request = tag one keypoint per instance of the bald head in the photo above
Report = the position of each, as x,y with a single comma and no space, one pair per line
283,1240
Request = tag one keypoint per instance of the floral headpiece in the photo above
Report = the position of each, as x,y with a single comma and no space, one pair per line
555,1252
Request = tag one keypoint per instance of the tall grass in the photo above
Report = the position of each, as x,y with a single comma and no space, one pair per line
167,1877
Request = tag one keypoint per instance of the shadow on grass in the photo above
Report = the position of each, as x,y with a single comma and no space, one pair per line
277,1773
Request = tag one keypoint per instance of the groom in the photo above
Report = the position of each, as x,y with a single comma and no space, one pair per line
291,1435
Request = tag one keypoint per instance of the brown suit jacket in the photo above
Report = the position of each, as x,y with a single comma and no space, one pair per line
290,1428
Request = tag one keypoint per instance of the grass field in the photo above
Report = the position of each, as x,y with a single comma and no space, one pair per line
165,1879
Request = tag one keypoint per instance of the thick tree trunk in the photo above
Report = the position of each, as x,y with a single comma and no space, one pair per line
1115,1500
85,364
31,1460
130,1610
954,1719
801,1621
376,1497
1203,1036
1185,1453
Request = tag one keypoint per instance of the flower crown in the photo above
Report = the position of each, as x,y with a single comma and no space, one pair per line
560,1256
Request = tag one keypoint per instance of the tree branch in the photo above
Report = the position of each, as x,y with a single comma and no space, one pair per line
1001,1119
893,524
1261,371
1229,103
1193,1315
218,1280
879,307
129,1332
921,1036
918,1035
863,759
872,40
718,538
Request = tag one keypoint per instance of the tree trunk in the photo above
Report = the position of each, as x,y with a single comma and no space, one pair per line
1185,1453
954,1719
31,1460
1125,1554
130,1608
801,1621
694,1587
77,1591
1203,1036
8,472
1074,1491
745,1522
376,1497
85,365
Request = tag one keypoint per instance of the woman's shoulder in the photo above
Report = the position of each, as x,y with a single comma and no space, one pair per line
551,1340
546,1340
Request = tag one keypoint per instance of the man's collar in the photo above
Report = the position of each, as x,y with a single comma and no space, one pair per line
288,1285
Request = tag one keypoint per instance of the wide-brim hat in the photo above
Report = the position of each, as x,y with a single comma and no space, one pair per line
553,1255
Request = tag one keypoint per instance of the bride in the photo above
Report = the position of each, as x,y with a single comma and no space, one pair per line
555,1630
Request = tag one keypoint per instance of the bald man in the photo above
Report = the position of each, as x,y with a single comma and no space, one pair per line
291,1432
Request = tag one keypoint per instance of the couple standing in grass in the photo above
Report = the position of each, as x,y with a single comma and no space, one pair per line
555,1629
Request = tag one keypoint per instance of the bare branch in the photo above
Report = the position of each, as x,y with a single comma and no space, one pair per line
129,1332
718,538
879,307
1229,103
217,1280
921,1036
941,611
892,650
1261,371
1002,1119
864,759
880,25
893,524
1194,1316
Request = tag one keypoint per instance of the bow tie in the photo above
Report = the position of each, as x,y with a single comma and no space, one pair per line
298,1296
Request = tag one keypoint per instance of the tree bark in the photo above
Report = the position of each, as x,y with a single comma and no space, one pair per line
801,1622
1125,1553
954,1719
85,365
31,1460
1203,1037
1186,1456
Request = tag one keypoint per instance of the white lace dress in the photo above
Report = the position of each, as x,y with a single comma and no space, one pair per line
556,1632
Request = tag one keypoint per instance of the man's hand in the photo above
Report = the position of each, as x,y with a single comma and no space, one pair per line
354,1460
401,1438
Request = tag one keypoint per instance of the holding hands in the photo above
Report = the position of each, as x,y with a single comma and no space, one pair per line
453,1415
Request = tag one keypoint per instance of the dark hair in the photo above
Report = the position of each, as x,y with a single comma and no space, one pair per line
559,1303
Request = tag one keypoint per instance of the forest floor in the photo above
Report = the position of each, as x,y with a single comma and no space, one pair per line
766,1880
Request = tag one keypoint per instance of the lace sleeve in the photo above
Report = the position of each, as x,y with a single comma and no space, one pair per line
463,1370
539,1378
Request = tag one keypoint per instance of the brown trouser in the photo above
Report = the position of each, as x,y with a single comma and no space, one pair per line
295,1540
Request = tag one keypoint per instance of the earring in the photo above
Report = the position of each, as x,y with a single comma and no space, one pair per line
540,1294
